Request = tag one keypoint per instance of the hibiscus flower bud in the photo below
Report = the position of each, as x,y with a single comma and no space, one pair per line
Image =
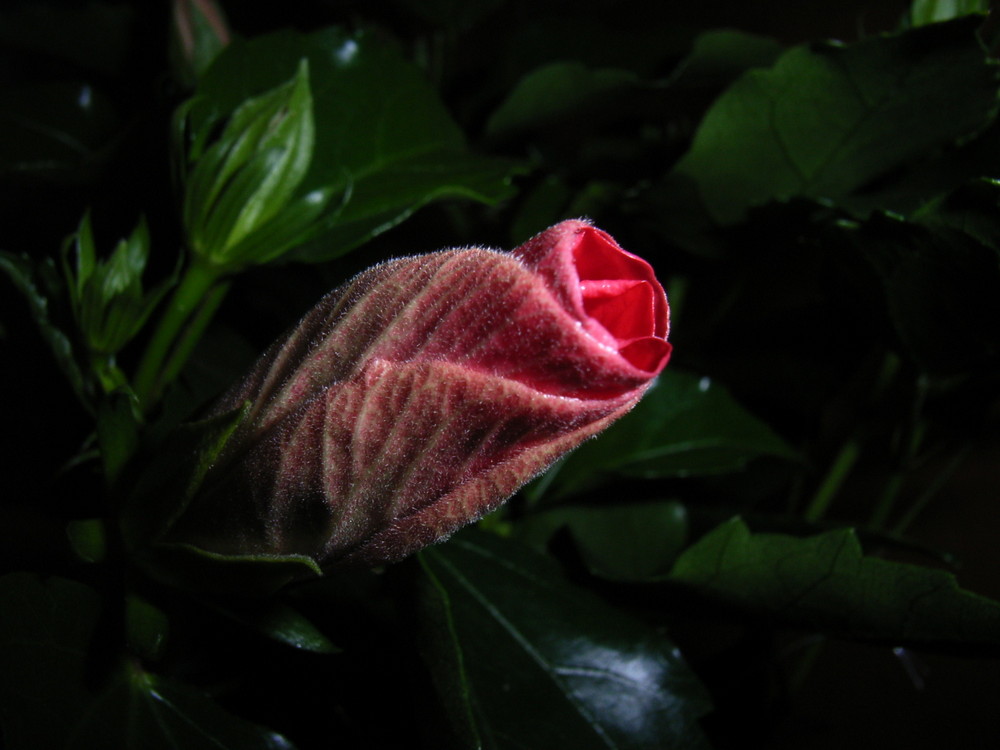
427,390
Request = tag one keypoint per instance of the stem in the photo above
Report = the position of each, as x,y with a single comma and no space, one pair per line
883,508
842,465
183,321
935,486
193,332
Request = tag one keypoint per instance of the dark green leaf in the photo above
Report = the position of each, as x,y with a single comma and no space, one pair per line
55,130
541,207
828,120
382,135
140,711
548,665
176,474
46,627
933,11
389,195
555,91
284,624
825,583
631,541
684,426
973,210
88,538
942,291
195,569
146,628
718,56
26,278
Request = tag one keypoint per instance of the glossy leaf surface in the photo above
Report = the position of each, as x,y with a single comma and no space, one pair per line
139,711
548,665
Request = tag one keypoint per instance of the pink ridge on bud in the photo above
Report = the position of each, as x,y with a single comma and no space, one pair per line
425,391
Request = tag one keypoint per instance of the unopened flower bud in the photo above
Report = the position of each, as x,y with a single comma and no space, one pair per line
427,390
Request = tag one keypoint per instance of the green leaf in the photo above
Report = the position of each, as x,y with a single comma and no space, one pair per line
195,569
942,293
141,710
628,542
281,623
46,628
30,279
146,628
718,56
923,12
555,91
389,195
825,583
971,210
684,426
88,539
383,138
175,475
828,120
548,665
55,131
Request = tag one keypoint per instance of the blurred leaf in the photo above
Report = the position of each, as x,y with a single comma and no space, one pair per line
828,120
973,210
383,138
718,56
825,583
628,542
541,207
942,291
55,130
37,283
140,710
46,627
88,538
548,665
146,628
684,426
556,91
932,11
